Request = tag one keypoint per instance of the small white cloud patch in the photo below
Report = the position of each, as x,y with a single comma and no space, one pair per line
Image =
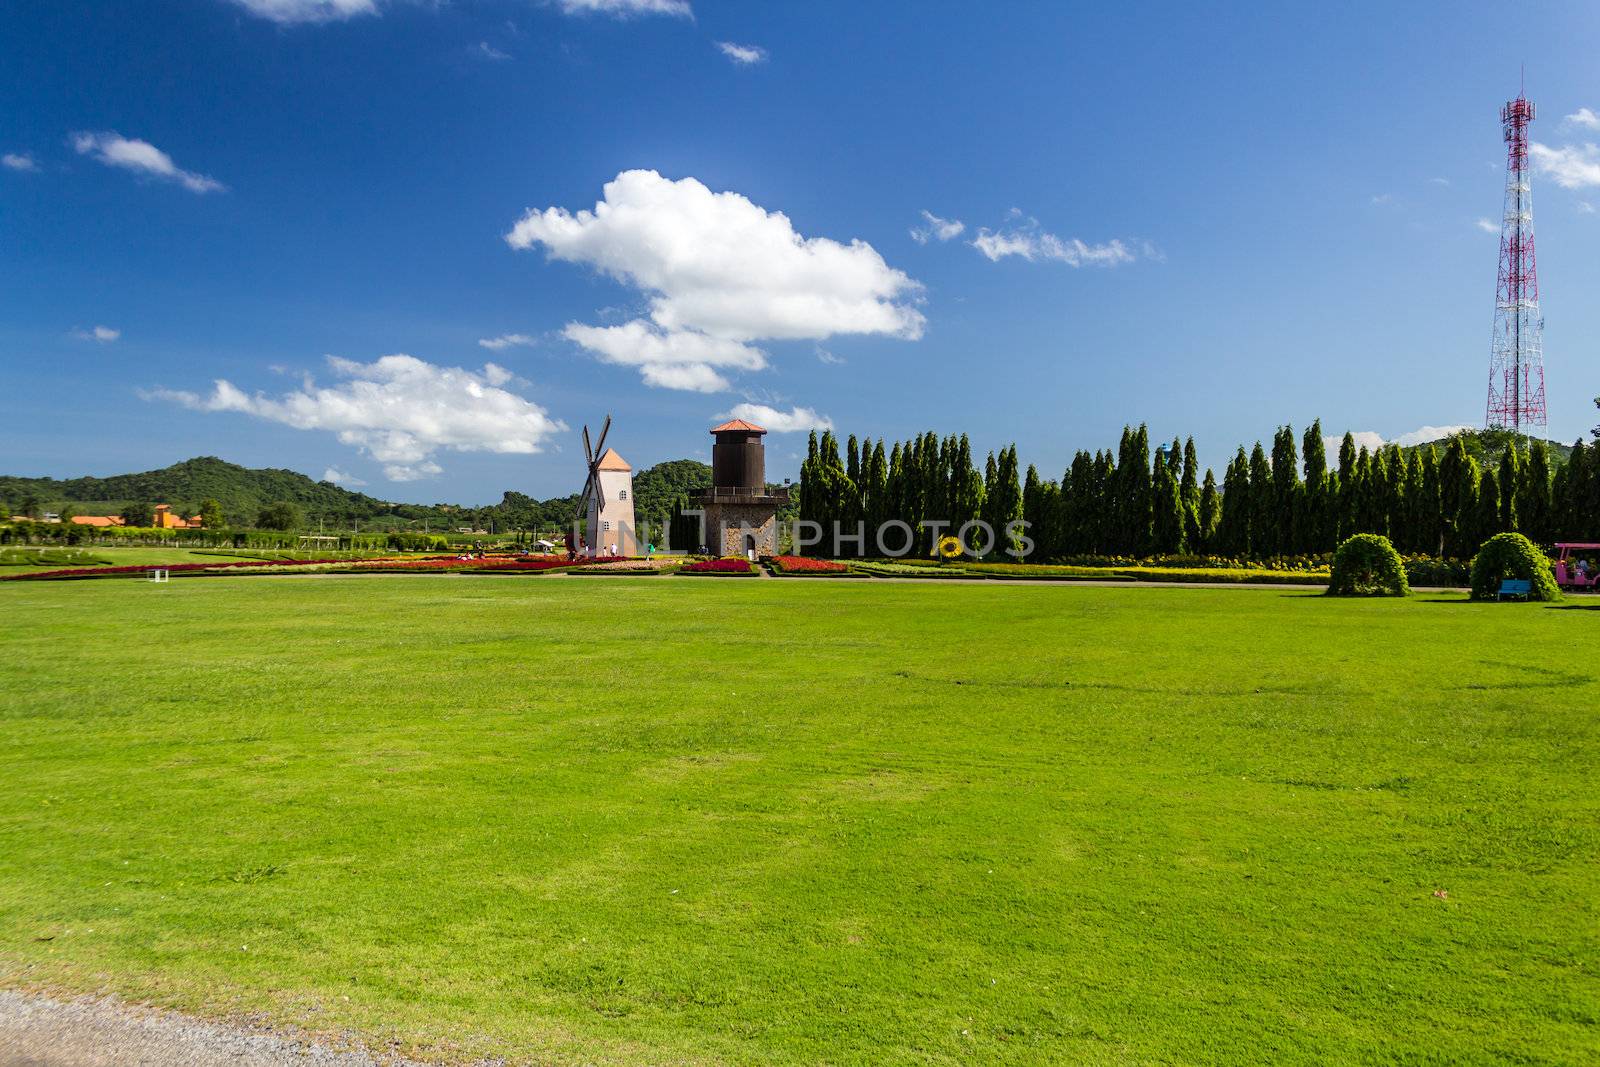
1583,118
141,157
505,340
103,334
22,161
628,8
1487,225
339,477
937,229
291,12
743,55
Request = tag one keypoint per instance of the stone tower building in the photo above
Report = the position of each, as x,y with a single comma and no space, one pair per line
740,511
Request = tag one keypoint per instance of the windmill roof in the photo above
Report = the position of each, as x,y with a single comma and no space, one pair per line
610,461
738,425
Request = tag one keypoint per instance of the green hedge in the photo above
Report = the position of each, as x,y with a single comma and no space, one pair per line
1511,555
1367,565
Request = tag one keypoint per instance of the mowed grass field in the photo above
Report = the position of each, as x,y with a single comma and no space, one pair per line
763,821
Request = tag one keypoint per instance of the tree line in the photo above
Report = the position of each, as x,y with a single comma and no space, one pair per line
1433,499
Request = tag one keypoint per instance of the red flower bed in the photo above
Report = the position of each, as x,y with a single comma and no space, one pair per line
717,566
174,568
807,565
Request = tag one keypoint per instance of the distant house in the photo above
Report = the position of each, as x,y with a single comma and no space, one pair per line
164,519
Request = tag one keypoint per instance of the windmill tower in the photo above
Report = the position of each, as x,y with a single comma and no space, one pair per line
608,499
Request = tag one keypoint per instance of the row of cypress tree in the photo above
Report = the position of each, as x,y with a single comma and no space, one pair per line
1291,501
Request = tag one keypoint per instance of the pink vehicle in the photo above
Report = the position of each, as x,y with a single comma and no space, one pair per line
1577,568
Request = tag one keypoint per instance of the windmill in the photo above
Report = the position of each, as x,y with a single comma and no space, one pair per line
608,499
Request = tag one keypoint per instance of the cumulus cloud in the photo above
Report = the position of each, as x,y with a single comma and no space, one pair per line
1570,166
1487,225
937,229
141,157
1033,244
399,410
720,272
19,161
824,356
1371,440
104,334
290,12
505,340
1583,118
795,420
628,8
669,359
743,55
339,477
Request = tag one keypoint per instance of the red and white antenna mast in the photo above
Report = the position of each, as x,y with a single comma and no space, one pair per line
1516,355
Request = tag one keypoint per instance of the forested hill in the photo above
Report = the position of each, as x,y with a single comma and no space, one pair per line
243,492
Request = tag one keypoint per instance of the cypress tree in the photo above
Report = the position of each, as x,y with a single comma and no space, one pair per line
1394,492
1189,490
1488,517
1414,501
1263,505
1167,519
1509,479
1210,515
1315,534
1285,491
1430,524
1533,495
1233,532
1348,503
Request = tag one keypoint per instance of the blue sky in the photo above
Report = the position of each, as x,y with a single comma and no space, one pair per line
1209,223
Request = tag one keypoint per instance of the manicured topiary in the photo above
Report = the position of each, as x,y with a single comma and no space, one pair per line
1511,555
1367,565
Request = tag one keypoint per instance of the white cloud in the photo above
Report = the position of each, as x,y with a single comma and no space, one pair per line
669,359
1439,181
936,229
339,477
1570,166
485,50
19,161
1585,208
399,472
505,340
824,356
1371,440
1584,118
104,334
399,410
1383,198
290,12
1487,225
720,272
743,55
1033,244
627,8
141,157
794,420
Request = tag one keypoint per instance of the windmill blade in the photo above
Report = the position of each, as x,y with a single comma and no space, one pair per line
588,453
601,447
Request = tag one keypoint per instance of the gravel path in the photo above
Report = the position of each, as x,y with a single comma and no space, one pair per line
104,1032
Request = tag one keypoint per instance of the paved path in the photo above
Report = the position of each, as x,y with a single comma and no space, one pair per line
103,1032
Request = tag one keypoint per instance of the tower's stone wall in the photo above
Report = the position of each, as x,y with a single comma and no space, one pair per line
728,525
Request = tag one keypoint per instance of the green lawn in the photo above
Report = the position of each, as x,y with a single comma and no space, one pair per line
104,556
768,821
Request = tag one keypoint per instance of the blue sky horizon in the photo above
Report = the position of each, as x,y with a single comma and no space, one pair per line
413,247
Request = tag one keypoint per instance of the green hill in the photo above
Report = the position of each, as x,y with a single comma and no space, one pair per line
1487,446
244,491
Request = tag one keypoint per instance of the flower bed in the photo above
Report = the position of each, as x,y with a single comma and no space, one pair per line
806,565
732,567
145,568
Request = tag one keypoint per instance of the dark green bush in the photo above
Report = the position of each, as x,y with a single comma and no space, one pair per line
1367,565
1511,555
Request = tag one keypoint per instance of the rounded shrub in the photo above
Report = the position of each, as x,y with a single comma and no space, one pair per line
1367,565
1511,555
